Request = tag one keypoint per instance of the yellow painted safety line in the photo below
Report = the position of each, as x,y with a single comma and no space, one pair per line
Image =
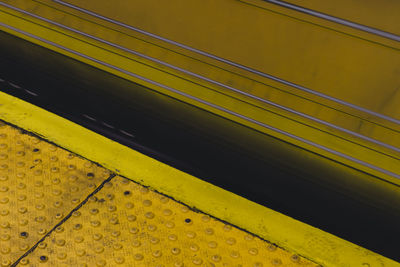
361,157
288,233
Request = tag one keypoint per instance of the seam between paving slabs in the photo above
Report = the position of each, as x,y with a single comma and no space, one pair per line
112,175
196,210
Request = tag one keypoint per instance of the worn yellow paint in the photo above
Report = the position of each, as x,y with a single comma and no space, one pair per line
271,116
287,233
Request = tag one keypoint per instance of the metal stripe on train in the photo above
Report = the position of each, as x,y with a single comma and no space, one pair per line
348,23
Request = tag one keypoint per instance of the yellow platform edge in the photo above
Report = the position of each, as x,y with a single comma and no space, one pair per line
284,231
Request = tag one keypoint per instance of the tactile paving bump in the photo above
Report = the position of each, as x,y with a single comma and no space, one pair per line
127,224
39,185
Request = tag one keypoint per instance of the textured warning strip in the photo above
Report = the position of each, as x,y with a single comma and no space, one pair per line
39,184
127,224
57,209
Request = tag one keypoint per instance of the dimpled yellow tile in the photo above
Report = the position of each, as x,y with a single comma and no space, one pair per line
125,224
39,185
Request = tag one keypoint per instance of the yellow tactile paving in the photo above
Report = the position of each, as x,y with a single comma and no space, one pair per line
122,223
39,185
127,224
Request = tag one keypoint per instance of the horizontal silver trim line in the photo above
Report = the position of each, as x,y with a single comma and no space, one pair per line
348,23
337,153
214,82
265,75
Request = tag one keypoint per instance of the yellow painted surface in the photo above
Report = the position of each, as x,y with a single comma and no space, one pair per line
125,224
287,233
346,144
243,80
383,15
267,39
